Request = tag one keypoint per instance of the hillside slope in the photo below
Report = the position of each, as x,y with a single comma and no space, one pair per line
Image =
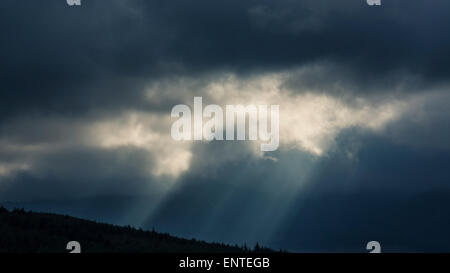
22,231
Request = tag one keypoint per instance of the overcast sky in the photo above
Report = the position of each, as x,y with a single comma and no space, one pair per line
86,95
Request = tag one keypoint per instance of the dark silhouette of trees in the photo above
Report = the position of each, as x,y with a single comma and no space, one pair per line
22,231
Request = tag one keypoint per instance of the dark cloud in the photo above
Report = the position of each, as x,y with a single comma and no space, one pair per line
65,68
347,222
78,172
56,58
381,164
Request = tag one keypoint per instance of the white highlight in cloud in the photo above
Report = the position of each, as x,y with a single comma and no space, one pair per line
236,116
308,121
146,131
10,168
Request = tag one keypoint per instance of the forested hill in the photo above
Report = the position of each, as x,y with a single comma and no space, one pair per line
22,231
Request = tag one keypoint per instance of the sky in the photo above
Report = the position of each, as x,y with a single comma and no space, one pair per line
85,118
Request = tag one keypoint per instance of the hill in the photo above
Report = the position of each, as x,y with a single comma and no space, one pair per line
22,231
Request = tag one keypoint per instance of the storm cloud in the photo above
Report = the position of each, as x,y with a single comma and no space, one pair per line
86,94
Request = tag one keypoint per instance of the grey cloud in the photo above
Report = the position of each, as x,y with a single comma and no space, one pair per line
57,59
80,172
76,66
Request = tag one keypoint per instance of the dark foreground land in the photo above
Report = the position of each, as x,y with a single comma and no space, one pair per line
22,231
